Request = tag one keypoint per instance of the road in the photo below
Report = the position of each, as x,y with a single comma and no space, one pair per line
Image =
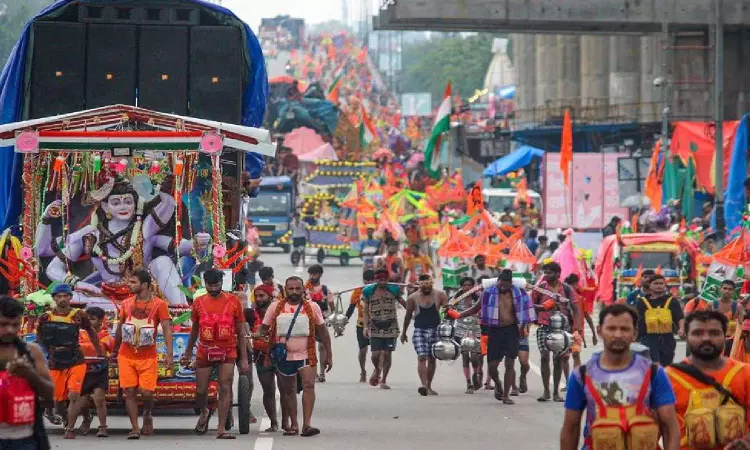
353,415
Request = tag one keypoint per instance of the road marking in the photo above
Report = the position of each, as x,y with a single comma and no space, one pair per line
265,423
263,443
536,369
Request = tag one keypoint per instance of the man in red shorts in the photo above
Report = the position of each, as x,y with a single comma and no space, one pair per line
218,321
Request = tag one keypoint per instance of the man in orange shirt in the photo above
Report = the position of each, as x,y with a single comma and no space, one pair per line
417,264
96,382
706,367
135,349
218,320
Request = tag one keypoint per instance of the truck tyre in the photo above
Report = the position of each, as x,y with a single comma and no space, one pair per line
243,404
321,256
344,259
286,248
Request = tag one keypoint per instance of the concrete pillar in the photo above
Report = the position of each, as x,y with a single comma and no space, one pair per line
624,76
652,54
524,53
546,70
594,76
569,71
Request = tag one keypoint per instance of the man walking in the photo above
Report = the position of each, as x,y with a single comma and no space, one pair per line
300,236
295,322
469,327
659,316
218,320
617,369
135,349
368,276
381,324
425,306
505,311
323,297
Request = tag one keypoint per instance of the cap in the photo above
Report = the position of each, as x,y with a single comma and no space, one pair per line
62,289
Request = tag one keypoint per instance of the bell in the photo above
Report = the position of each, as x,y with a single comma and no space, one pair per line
558,321
470,345
445,350
558,341
446,330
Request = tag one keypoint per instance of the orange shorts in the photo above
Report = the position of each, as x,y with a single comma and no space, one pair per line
138,373
67,381
483,344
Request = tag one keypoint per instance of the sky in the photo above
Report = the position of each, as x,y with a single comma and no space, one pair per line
313,11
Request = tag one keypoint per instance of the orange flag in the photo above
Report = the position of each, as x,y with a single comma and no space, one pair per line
652,187
475,202
522,192
362,56
333,96
566,147
638,275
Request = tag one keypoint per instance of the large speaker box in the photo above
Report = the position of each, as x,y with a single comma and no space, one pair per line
216,73
59,61
163,69
111,65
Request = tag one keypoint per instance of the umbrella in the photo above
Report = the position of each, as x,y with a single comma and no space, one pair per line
325,151
415,160
303,140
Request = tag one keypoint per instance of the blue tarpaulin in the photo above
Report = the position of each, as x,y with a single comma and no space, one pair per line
734,196
513,161
12,103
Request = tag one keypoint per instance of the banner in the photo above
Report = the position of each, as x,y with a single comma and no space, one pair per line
698,139
717,272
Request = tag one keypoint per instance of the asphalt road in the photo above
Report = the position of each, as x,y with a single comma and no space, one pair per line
353,415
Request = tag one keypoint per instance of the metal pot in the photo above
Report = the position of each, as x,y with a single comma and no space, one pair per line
558,321
339,320
445,350
470,345
446,330
558,341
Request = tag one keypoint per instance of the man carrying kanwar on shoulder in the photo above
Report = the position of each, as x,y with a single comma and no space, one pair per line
292,324
659,316
26,383
638,393
712,391
58,332
135,349
218,325
505,310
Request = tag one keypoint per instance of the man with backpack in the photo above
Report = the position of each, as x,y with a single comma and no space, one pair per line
617,385
712,392
659,316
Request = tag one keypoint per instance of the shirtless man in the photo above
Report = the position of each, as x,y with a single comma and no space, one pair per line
505,311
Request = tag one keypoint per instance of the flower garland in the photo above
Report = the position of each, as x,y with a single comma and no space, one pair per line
312,355
135,238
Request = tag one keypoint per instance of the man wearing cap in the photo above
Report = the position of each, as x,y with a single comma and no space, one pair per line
381,324
505,310
218,320
58,332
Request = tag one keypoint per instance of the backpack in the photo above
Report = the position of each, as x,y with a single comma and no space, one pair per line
658,320
714,417
622,427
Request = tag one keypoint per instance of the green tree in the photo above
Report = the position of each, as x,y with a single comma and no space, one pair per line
429,66
13,16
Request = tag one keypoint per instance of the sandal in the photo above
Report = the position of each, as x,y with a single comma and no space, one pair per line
557,399
273,428
85,427
134,436
202,426
102,433
310,431
69,433
543,399
499,395
291,432
53,418
422,391
148,426
375,379
321,379
225,435
508,401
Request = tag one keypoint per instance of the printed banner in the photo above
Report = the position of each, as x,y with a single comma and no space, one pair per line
717,273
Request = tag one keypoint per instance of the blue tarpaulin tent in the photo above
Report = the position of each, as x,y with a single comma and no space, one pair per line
12,99
518,158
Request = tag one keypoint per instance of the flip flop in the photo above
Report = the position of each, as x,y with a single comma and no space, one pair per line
133,436
374,379
422,391
148,426
310,431
202,426
225,435
291,432
102,433
508,401
53,418
543,399
558,399
273,428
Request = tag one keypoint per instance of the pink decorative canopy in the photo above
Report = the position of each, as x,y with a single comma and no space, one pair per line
302,140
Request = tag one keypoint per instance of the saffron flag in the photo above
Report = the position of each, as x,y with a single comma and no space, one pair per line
442,125
566,147
652,186
475,202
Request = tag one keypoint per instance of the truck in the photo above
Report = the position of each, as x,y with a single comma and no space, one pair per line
287,28
271,211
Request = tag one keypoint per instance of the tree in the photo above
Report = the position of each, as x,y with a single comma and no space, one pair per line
429,66
14,14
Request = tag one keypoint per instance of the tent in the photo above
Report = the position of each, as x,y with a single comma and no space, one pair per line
513,161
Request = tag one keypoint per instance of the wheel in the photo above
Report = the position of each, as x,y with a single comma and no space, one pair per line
286,248
295,257
344,259
321,256
243,403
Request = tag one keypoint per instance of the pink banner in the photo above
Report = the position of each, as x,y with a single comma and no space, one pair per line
592,197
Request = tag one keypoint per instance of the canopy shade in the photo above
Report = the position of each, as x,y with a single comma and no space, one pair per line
513,161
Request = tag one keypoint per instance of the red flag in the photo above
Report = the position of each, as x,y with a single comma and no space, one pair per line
475,202
566,148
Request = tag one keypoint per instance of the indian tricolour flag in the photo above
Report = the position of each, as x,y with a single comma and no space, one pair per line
338,74
442,125
367,130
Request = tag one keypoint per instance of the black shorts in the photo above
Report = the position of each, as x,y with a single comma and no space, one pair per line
299,242
96,380
362,341
502,342
382,344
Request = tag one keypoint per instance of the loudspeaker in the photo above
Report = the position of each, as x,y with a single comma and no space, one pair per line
111,65
163,69
216,73
59,61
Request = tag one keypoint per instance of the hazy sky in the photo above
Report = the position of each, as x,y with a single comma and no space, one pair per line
313,11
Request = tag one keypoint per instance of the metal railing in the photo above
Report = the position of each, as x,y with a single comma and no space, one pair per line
586,111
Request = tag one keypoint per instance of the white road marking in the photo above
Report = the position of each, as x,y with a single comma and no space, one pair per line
534,368
265,423
263,443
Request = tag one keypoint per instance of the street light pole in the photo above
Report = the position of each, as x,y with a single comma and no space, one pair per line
719,118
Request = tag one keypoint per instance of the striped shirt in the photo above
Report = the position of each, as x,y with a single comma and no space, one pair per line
522,305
